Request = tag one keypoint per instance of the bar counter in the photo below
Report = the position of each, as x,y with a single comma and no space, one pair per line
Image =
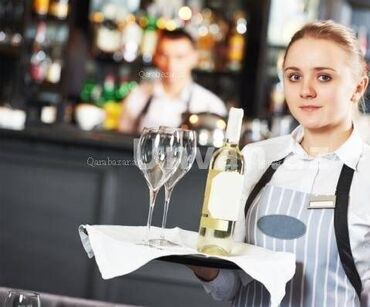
48,188
71,135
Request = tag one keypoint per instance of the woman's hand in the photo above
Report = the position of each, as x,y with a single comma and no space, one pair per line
204,273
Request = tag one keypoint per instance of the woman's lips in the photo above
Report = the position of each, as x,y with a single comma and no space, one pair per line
309,108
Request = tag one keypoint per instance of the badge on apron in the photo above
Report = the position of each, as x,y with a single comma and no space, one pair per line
322,202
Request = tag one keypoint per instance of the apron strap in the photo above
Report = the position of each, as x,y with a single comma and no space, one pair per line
340,218
341,228
266,177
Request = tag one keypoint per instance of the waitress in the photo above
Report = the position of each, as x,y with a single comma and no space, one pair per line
308,193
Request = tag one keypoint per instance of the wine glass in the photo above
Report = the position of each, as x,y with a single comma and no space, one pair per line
188,153
157,156
22,299
146,160
169,156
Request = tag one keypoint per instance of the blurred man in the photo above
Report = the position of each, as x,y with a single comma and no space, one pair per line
173,93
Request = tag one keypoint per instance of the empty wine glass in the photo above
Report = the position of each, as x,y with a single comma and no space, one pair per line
146,160
169,155
22,299
157,156
188,153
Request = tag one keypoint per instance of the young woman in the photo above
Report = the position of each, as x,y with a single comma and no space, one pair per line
309,192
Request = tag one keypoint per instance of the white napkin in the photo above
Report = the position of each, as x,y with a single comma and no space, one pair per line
118,251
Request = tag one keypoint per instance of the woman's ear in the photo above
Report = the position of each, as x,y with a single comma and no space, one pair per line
360,89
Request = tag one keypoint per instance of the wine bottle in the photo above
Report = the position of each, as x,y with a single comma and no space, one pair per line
223,192
59,8
40,7
237,42
108,36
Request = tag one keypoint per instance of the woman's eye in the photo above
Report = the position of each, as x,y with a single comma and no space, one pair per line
294,77
324,78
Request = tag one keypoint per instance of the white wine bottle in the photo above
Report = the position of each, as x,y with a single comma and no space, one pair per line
223,192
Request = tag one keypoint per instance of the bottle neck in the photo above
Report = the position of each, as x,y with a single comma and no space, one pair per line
230,143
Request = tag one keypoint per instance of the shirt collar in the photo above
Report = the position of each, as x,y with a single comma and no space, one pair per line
349,152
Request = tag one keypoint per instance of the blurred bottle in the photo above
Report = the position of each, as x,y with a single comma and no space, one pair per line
86,91
108,102
55,68
237,41
41,7
206,41
108,36
131,38
59,8
40,59
108,90
124,88
150,38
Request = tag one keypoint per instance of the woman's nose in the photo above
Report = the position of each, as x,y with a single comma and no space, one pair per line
307,89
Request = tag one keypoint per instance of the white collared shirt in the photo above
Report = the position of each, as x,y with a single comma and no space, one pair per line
316,175
165,110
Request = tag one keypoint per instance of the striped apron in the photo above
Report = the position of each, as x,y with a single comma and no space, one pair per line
279,219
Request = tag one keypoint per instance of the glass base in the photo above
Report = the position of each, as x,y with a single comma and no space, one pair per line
159,243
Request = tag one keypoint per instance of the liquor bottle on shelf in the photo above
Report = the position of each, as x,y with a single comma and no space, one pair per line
220,31
124,88
131,39
237,42
41,7
108,36
206,42
40,59
149,42
55,68
59,9
223,192
108,90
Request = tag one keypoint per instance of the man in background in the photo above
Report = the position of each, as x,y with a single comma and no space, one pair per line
173,94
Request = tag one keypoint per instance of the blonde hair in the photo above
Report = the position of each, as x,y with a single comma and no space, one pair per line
335,32
340,34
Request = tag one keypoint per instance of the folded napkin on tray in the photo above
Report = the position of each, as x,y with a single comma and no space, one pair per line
118,251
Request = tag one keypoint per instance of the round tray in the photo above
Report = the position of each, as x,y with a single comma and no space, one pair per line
200,260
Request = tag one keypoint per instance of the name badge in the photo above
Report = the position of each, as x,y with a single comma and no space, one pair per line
322,202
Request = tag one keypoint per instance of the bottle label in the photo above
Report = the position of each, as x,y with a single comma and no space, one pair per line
215,224
225,195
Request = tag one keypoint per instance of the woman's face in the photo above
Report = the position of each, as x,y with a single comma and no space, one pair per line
319,83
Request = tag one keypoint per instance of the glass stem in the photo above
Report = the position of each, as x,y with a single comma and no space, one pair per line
153,197
168,193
